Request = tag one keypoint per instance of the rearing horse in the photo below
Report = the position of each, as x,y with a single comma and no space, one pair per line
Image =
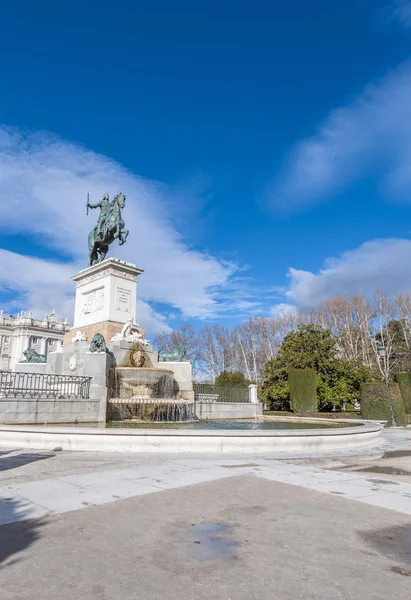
105,233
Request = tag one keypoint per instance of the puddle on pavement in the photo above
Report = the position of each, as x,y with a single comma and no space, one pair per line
397,454
384,481
394,542
384,470
207,543
401,571
241,466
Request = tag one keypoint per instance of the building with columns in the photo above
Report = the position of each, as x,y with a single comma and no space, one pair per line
17,333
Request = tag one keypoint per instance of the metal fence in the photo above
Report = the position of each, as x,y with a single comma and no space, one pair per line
208,392
42,385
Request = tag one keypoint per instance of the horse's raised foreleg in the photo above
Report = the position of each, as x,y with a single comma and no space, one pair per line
123,236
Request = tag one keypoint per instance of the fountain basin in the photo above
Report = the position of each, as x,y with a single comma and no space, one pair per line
192,441
144,382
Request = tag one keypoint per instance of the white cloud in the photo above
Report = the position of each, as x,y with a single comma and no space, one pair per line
283,309
43,186
376,264
41,285
371,135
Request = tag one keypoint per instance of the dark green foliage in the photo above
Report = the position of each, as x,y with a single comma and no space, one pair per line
303,390
232,378
404,382
397,404
381,403
375,402
324,415
338,381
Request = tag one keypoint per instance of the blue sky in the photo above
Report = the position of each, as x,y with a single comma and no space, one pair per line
264,147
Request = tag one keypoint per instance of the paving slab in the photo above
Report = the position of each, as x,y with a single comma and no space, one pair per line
236,538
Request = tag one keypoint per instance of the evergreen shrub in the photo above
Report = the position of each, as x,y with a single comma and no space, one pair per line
381,403
303,390
404,382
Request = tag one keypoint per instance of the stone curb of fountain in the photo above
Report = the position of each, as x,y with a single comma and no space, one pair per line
192,442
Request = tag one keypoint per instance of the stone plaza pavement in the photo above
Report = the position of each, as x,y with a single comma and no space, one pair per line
124,526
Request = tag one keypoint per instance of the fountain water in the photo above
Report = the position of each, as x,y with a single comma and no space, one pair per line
145,393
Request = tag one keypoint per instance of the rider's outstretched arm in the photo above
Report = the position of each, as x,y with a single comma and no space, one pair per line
94,205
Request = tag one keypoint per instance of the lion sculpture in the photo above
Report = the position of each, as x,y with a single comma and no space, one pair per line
98,343
32,356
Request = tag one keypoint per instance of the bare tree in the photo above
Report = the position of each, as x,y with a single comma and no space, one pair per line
382,332
358,325
214,349
403,303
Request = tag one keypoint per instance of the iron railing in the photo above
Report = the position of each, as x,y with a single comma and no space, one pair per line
43,385
208,392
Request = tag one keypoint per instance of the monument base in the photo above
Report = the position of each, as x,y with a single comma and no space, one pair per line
107,329
105,293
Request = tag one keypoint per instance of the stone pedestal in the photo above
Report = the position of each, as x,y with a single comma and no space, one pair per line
252,393
37,368
105,298
183,378
78,360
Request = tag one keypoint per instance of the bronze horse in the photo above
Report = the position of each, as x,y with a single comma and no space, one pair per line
109,228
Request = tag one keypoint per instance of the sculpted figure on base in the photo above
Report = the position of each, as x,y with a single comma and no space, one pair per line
98,343
131,332
79,336
110,227
32,356
178,354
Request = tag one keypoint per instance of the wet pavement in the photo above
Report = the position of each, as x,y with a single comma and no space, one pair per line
391,461
392,541
118,526
257,539
210,541
385,470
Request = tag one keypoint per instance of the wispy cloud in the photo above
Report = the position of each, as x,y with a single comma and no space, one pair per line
372,134
375,264
283,309
400,10
43,186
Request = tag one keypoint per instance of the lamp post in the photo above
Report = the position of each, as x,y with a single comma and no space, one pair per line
382,353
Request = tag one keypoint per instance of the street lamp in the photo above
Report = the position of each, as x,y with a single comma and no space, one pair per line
382,353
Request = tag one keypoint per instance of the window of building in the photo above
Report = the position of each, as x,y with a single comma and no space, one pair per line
6,339
35,340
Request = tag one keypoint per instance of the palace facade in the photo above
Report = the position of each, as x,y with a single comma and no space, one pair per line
17,333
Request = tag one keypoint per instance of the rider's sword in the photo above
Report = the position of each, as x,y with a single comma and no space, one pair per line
87,203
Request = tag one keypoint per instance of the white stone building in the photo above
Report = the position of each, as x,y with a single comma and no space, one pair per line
22,332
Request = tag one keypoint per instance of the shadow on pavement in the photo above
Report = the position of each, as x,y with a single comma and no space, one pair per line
15,537
19,460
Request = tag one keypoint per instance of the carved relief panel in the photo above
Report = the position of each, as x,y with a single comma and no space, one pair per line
93,301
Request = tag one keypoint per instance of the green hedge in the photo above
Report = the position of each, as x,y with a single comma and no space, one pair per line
398,406
404,381
303,390
377,401
321,415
